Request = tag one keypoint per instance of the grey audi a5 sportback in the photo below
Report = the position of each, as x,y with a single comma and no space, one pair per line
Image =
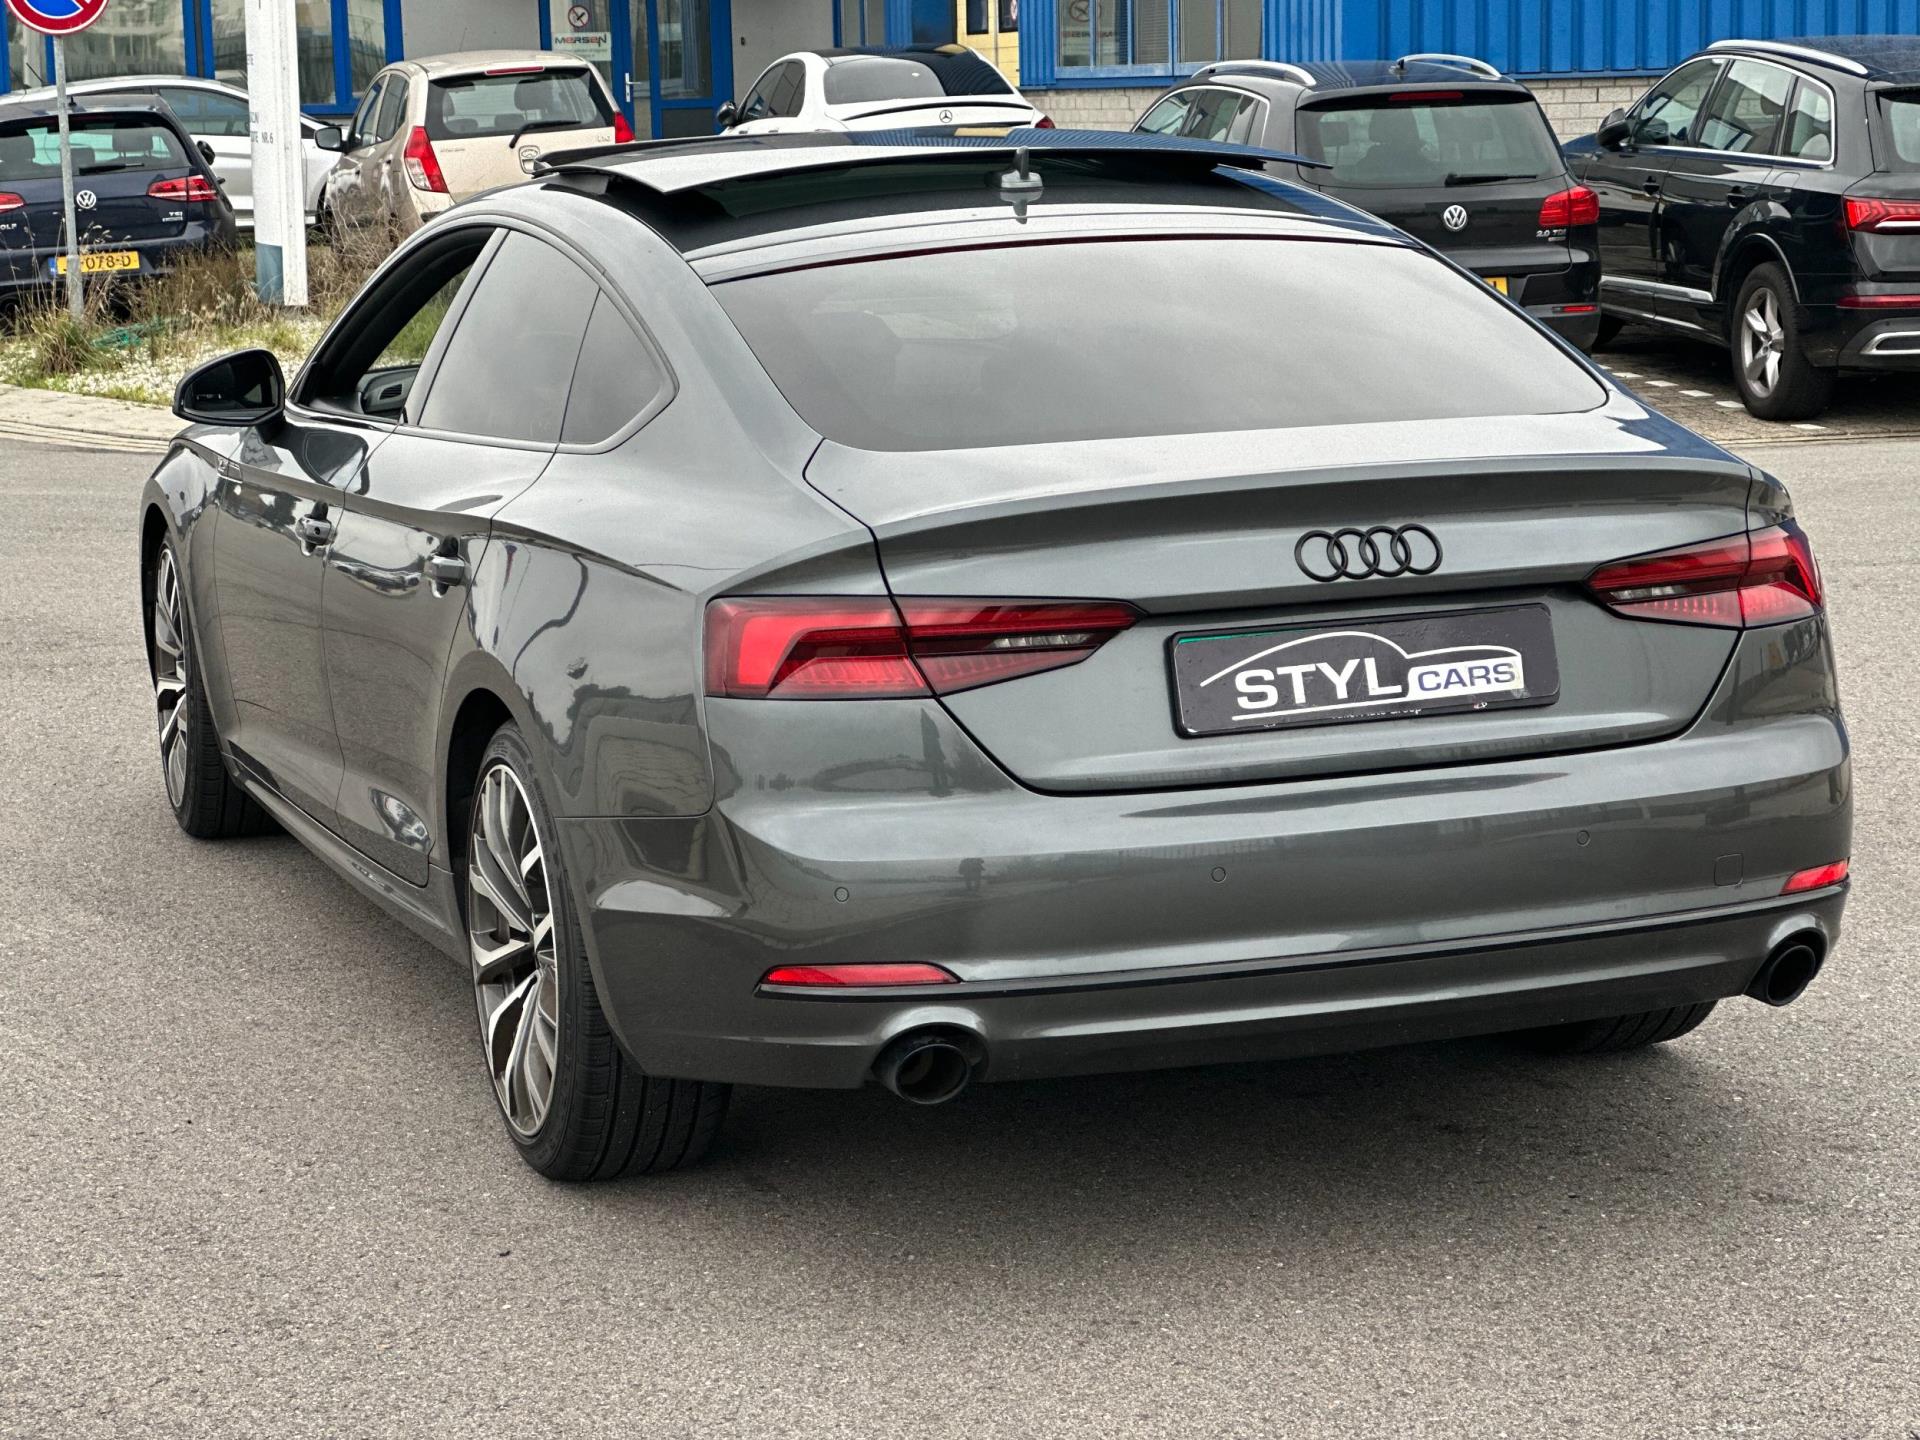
807,610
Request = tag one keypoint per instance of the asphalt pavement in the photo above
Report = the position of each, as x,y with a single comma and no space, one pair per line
255,1185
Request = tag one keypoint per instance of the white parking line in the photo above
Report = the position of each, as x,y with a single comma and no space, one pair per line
1661,384
1697,394
1728,404
1626,374
1807,425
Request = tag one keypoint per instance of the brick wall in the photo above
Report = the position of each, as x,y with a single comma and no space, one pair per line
1574,107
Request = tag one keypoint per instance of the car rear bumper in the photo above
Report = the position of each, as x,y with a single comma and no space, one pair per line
24,270
1884,343
1112,931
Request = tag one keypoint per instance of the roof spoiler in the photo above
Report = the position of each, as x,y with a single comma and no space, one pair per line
670,167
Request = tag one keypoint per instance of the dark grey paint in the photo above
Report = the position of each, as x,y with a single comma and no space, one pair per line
1492,870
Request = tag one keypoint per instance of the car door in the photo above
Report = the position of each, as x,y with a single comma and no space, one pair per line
219,121
1729,169
1629,181
352,192
479,429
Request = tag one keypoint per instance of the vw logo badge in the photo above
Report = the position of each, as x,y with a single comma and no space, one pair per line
1380,551
1454,217
85,199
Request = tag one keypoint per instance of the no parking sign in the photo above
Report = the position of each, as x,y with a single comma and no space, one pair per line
56,17
61,18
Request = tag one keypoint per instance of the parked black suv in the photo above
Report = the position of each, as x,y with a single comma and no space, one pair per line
1443,146
1766,194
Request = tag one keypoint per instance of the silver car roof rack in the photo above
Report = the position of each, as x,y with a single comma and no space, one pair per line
1458,62
1793,52
1280,68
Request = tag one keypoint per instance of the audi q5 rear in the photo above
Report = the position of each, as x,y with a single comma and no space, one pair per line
1060,604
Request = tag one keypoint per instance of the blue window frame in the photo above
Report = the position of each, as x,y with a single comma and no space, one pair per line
1150,40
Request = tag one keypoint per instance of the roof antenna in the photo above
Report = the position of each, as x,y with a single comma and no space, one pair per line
1020,186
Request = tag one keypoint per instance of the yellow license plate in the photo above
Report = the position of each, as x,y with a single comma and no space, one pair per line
1498,282
97,262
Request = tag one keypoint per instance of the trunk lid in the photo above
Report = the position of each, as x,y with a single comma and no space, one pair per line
1200,534
482,162
487,128
939,110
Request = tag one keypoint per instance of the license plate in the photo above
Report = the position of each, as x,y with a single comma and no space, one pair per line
96,262
1333,674
1498,282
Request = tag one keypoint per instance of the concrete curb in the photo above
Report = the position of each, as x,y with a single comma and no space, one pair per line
84,422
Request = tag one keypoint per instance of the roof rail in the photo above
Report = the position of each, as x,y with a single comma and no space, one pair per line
1281,68
1458,62
1793,52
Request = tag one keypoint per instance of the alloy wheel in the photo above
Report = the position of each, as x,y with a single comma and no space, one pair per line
516,974
1763,341
170,677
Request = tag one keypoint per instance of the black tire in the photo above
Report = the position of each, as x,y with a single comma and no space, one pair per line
1609,331
1620,1032
605,1117
207,801
1770,366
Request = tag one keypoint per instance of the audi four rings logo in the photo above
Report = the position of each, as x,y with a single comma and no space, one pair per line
1379,551
1454,217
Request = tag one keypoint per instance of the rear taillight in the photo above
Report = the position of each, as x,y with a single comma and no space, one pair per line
196,188
1764,577
423,166
11,201
860,973
1045,122
622,131
1578,206
1818,878
1425,97
1866,213
787,647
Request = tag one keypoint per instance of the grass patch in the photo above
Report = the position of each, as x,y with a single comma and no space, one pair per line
137,341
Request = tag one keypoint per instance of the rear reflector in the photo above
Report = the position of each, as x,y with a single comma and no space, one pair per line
1879,302
11,201
1866,213
803,647
843,975
1045,122
196,188
1578,206
423,166
1763,577
1818,878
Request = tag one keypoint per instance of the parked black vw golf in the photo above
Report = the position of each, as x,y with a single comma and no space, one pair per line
1766,195
144,192
1443,146
817,610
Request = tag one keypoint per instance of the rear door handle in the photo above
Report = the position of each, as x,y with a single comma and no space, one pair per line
314,531
1739,195
1651,184
446,571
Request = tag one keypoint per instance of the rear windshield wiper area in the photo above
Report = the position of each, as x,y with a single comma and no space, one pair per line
1485,179
104,169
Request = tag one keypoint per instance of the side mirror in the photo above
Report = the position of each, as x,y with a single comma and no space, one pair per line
328,137
1614,131
244,388
206,151
725,115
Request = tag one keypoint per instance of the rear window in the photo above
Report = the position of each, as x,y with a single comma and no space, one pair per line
474,106
1900,123
100,147
860,79
1032,343
1435,142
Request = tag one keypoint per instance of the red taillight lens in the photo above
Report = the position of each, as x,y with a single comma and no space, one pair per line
1764,577
1045,122
11,201
1423,97
860,974
192,187
1866,213
622,131
1817,878
818,648
1878,302
423,166
1578,206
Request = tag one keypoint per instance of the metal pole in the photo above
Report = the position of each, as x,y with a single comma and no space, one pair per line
76,300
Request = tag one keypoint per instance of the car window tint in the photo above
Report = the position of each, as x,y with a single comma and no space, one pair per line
859,79
1667,114
872,353
788,89
100,146
616,378
1168,116
1423,143
1247,127
506,371
760,98
206,112
393,109
1900,119
1744,114
361,131
469,106
1213,114
1809,133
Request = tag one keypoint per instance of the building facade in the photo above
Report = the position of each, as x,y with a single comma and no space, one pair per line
1086,62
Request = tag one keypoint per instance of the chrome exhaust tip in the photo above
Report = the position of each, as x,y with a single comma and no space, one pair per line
926,1067
1784,975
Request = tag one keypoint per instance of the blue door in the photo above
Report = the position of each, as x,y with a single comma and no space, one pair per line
933,22
669,62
